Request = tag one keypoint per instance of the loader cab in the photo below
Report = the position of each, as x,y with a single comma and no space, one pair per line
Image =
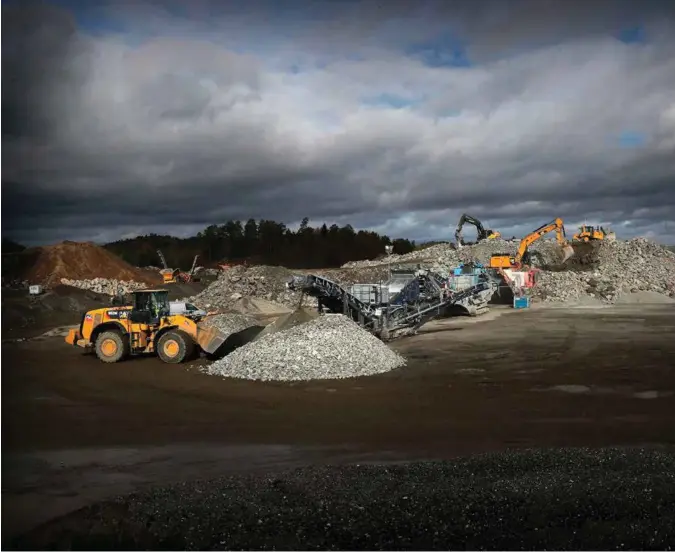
149,306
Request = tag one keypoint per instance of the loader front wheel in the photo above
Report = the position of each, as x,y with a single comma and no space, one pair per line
112,346
175,347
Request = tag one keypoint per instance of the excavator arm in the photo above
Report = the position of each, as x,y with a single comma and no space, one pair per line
507,261
539,233
482,233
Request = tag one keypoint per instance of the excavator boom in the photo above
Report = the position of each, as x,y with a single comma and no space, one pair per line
482,233
508,261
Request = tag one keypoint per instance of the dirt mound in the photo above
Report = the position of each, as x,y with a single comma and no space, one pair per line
28,316
80,261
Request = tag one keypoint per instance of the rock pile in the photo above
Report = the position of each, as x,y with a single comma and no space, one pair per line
266,282
328,347
269,283
602,270
621,267
229,323
105,285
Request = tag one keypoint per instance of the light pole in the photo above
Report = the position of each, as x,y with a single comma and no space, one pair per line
389,250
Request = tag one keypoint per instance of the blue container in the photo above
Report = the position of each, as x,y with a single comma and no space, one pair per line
521,302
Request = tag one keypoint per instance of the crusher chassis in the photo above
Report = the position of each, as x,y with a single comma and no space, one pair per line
424,297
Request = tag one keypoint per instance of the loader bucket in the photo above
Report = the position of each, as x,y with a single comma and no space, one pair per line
210,338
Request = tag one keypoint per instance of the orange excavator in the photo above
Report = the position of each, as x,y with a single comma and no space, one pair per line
520,258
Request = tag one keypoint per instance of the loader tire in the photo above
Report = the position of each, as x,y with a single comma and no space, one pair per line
112,346
175,346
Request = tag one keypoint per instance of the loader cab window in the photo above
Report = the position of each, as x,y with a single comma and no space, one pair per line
150,306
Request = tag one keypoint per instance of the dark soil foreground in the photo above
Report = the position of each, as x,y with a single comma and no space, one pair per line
76,433
562,499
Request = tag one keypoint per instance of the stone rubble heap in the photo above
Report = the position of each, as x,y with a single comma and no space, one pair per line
609,270
266,282
229,323
269,283
105,285
328,347
621,267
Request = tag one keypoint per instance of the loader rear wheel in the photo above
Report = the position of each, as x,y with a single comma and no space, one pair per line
175,347
112,346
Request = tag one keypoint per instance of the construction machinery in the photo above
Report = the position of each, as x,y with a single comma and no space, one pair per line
145,326
398,307
174,275
589,233
521,258
482,233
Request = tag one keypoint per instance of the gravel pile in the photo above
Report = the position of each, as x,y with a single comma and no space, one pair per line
620,268
269,283
328,347
574,499
602,271
266,282
229,323
105,285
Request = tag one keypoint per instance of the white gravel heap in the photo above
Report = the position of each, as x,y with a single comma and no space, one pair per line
229,323
613,269
105,285
266,282
623,267
328,347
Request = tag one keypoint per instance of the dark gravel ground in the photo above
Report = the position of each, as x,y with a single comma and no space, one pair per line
559,499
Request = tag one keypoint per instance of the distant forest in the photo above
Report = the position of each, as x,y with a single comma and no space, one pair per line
260,242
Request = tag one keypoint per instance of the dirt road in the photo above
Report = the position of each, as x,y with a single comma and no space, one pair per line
545,377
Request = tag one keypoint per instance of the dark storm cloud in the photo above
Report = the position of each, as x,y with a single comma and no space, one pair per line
177,132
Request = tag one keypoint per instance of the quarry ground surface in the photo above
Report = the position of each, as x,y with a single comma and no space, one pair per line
76,431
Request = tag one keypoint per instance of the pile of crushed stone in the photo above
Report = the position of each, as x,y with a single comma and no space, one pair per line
262,282
601,271
326,347
229,323
105,285
559,499
263,288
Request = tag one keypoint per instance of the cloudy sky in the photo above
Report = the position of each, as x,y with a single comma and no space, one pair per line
125,117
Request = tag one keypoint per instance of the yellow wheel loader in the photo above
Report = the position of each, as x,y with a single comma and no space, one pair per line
117,332
589,233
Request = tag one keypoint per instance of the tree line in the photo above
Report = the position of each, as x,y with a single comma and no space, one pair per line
261,242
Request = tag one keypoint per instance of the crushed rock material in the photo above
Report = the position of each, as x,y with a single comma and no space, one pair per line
235,283
600,270
290,320
229,323
327,347
558,499
268,283
104,285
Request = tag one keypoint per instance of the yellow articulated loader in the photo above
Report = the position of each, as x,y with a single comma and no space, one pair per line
588,233
146,326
